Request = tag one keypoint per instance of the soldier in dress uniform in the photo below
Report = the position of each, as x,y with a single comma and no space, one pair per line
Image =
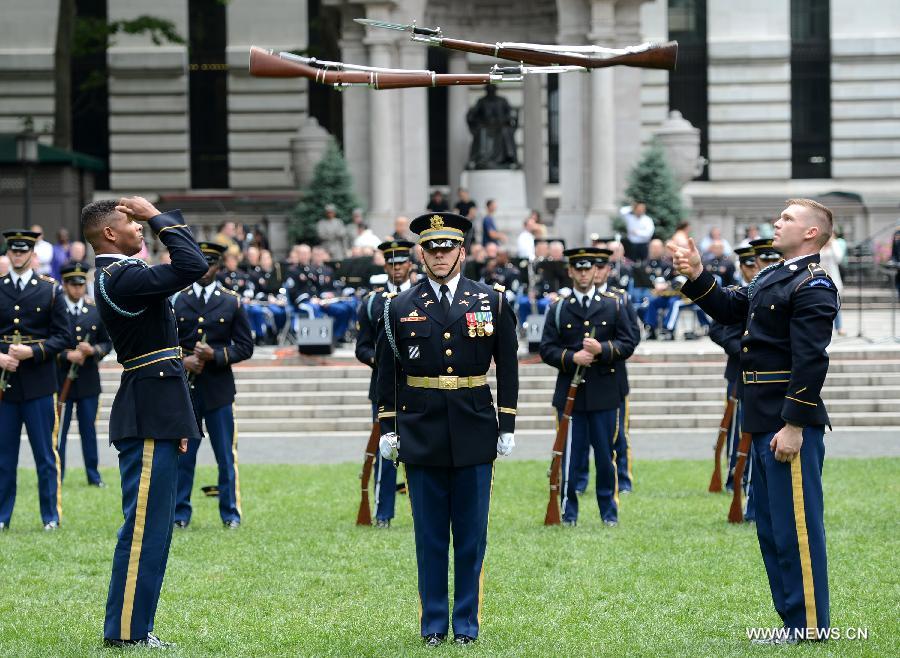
214,334
152,417
766,254
567,343
397,265
437,413
788,312
235,279
728,337
33,330
91,345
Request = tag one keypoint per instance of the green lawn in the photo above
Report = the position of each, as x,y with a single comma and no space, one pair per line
300,579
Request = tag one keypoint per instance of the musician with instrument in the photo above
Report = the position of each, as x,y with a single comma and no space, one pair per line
214,334
33,330
78,371
397,265
592,329
438,415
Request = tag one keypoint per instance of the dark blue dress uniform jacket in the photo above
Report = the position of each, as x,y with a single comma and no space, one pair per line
152,401
224,323
448,428
787,328
368,320
616,332
728,337
38,316
635,331
87,327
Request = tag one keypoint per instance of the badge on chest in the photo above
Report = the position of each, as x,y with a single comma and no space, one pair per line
480,324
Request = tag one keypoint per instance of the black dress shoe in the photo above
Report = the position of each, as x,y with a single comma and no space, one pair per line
383,523
459,638
433,640
181,525
234,524
149,642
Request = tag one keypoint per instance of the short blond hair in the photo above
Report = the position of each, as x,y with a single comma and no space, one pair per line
824,215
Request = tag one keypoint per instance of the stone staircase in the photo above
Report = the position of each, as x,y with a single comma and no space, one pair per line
673,386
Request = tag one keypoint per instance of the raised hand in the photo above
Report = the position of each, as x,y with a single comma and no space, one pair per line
686,260
137,208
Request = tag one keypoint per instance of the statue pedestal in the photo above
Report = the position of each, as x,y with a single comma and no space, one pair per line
507,188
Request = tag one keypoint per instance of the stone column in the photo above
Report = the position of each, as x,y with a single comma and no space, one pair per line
458,138
602,126
627,94
534,141
357,123
382,142
412,148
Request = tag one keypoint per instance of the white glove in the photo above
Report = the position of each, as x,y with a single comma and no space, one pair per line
505,444
389,445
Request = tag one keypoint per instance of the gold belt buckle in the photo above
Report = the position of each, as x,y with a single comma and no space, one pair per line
448,382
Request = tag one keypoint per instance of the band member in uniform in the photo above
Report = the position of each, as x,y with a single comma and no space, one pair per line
90,346
397,265
152,417
437,413
566,344
788,310
214,334
33,330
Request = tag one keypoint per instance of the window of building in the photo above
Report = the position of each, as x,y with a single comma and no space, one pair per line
552,129
438,122
810,89
326,104
90,96
208,92
688,83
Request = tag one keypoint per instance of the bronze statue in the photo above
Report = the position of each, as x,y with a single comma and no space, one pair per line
492,122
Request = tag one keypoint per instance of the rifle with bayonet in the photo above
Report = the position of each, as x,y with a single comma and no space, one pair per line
728,419
552,517
63,396
192,376
644,56
4,375
341,75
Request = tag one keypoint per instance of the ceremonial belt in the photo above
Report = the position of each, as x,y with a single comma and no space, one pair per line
23,340
447,382
152,357
772,377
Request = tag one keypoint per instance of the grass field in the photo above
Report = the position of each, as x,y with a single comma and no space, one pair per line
300,579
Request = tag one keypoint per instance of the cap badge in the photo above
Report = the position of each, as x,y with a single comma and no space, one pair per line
437,222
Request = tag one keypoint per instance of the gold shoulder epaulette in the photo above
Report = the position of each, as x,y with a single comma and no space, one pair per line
230,292
48,279
388,295
609,294
499,288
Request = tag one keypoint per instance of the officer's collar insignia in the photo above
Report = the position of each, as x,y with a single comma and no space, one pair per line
424,294
428,301
414,314
437,222
463,302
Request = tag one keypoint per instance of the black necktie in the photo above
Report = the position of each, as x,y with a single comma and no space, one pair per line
19,286
585,300
445,299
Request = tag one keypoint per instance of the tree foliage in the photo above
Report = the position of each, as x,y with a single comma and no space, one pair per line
331,183
651,181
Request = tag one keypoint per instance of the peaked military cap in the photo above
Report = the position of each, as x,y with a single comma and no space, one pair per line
212,251
746,255
396,251
75,272
584,258
440,229
18,239
764,249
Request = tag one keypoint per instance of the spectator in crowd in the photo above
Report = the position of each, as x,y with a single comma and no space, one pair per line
682,234
830,258
556,250
227,235
489,232
332,232
640,227
541,248
437,202
356,219
525,241
475,262
465,204
43,250
715,235
366,239
251,260
60,253
718,263
401,230
750,233
77,251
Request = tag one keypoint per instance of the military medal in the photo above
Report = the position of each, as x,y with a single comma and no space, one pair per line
470,323
488,324
479,317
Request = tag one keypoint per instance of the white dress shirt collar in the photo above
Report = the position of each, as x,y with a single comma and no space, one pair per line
581,295
451,284
204,292
24,276
403,286
74,307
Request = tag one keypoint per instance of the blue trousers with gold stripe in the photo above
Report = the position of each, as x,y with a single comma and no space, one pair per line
223,440
149,472
86,412
623,449
39,418
385,482
791,531
441,499
597,430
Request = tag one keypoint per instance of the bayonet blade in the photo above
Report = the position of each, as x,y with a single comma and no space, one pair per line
385,25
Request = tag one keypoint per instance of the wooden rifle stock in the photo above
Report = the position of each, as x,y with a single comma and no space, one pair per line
715,483
736,513
655,56
552,517
364,515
